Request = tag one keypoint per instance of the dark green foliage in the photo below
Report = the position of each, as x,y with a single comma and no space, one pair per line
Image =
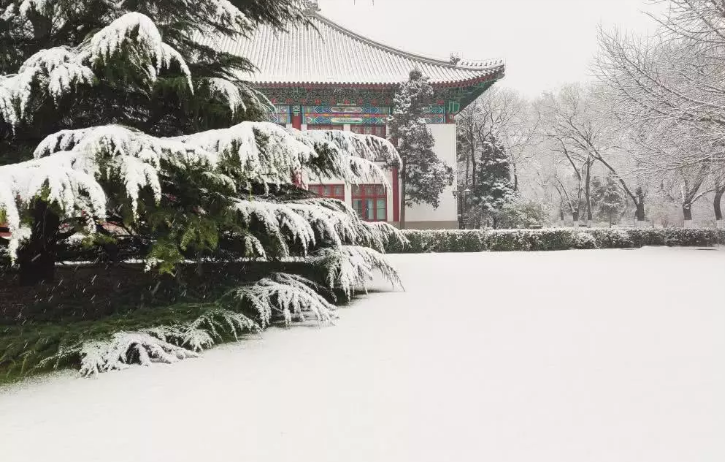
423,175
121,95
608,198
491,189
554,239
521,214
33,326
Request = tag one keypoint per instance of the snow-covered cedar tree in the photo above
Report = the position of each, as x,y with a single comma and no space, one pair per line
111,123
609,199
423,176
492,189
118,127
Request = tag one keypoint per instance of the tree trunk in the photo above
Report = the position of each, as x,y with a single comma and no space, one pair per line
716,203
474,168
687,211
575,216
587,193
687,215
36,257
464,205
402,196
639,214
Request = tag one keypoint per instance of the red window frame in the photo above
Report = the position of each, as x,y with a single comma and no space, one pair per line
331,191
370,201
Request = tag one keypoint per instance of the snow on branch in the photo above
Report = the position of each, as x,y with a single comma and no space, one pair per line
368,147
56,180
235,94
70,163
124,348
348,155
227,91
8,113
57,71
261,151
291,296
351,267
226,13
331,218
307,221
277,220
266,152
137,34
379,234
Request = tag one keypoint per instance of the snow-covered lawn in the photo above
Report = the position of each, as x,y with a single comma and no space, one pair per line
580,356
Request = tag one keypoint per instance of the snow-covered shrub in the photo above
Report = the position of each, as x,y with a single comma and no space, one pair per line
584,240
509,240
553,239
613,238
693,237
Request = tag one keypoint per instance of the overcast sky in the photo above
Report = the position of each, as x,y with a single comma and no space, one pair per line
544,42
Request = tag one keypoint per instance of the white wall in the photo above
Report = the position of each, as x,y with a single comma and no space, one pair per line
445,148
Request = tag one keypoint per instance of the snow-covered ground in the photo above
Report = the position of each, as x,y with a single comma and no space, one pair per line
581,356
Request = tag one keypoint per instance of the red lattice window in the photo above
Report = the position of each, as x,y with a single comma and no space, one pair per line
377,130
332,191
370,201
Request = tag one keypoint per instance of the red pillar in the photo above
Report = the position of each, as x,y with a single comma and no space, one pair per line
296,117
396,195
297,123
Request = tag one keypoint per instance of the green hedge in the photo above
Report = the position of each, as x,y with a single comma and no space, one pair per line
554,239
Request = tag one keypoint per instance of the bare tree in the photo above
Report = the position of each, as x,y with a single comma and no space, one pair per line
666,155
670,87
580,120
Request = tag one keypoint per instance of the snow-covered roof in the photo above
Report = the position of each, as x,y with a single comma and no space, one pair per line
323,52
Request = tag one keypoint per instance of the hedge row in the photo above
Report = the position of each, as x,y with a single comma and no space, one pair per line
554,239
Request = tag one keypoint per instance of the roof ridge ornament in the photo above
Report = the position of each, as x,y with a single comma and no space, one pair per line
311,6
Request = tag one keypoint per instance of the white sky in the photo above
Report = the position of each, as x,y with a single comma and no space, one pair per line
545,42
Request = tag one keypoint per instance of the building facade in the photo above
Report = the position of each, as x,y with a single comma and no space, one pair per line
322,76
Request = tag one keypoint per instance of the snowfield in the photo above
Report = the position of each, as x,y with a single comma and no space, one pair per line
578,356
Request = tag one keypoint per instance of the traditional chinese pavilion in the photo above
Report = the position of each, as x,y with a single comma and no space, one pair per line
323,76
